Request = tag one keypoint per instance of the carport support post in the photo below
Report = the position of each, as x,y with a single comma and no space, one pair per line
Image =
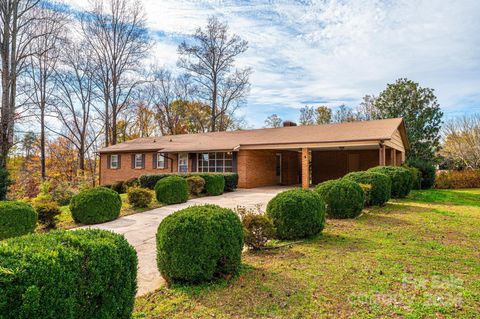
393,156
381,155
305,168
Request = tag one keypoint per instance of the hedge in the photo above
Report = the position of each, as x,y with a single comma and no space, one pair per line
400,177
344,198
95,205
150,180
78,274
16,219
172,190
199,243
381,186
297,213
458,179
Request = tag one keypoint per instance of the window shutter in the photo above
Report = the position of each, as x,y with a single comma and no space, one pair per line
154,160
143,160
165,160
119,156
109,160
133,160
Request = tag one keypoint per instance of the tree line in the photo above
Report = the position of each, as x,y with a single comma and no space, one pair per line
85,78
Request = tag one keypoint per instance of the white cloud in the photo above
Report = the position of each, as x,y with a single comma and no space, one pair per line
337,50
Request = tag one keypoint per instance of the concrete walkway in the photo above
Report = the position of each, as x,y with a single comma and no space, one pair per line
140,229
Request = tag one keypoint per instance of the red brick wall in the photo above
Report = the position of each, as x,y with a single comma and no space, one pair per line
335,164
125,172
257,168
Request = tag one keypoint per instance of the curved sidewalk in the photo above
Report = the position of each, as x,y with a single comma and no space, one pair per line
140,229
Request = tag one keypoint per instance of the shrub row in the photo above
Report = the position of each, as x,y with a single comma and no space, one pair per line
400,177
458,179
74,274
344,198
230,180
381,186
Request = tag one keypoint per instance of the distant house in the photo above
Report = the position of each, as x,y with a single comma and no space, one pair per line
263,157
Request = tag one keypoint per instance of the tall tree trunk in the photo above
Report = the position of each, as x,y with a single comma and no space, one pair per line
42,141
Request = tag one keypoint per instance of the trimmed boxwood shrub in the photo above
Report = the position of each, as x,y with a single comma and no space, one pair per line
150,180
172,190
139,197
297,213
427,170
196,184
95,205
78,274
231,181
199,243
344,198
257,230
400,177
416,175
214,184
16,219
47,209
381,186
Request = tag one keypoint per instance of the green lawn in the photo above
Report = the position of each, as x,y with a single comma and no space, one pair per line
414,258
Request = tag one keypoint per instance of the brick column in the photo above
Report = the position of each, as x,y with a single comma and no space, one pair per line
305,168
381,155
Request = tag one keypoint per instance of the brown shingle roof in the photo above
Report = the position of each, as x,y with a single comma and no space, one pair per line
326,133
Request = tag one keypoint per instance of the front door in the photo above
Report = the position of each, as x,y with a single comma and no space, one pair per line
183,162
278,168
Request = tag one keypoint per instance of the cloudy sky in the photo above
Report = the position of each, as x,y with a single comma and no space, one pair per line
334,52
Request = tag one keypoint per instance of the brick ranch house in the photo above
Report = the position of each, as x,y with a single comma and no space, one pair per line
288,155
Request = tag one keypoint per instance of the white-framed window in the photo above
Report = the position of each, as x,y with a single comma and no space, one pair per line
138,161
114,161
183,162
161,160
215,162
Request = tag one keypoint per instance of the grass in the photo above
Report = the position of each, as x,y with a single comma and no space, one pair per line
65,220
414,258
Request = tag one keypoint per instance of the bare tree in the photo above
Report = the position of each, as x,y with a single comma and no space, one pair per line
344,114
75,97
210,59
17,31
462,141
116,33
273,121
307,115
42,65
323,114
367,110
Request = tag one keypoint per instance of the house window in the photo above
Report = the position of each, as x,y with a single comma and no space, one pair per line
114,161
138,160
160,160
215,162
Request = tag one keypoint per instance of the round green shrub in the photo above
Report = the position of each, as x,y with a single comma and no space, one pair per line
400,177
416,177
231,181
196,184
427,170
297,213
95,205
381,186
79,274
214,184
16,219
199,243
344,198
172,190
139,197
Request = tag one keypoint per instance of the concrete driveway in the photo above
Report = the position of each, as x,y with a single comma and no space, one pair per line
140,229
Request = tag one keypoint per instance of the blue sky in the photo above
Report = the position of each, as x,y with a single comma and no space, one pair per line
335,52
